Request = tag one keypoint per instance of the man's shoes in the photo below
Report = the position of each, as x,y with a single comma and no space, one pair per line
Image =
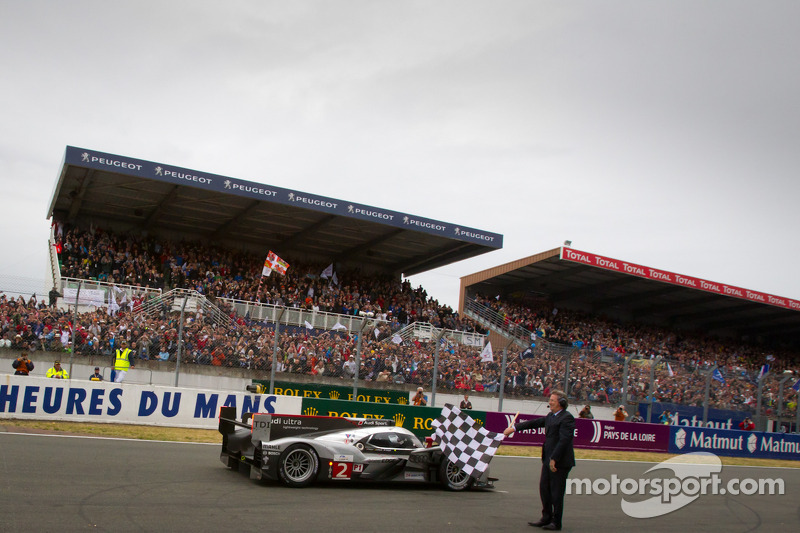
551,527
540,523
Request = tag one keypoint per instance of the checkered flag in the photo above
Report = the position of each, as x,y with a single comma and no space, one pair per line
468,445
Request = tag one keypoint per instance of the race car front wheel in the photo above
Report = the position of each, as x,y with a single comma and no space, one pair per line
452,477
299,465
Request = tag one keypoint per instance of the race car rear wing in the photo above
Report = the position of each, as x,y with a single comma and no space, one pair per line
266,427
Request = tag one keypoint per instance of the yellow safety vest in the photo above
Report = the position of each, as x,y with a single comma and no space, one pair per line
123,360
53,373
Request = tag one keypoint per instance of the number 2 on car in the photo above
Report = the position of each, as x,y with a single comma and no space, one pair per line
341,470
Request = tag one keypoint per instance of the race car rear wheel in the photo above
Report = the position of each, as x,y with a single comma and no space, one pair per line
299,465
452,477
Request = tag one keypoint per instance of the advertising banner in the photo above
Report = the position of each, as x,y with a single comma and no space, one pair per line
85,158
419,420
335,392
577,256
598,434
734,443
29,397
685,415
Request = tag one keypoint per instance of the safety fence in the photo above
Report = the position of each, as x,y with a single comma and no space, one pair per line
43,398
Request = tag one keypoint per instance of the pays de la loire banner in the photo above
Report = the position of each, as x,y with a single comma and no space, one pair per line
599,434
29,397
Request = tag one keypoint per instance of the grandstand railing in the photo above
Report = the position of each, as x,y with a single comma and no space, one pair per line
70,286
55,268
295,316
492,319
187,300
425,332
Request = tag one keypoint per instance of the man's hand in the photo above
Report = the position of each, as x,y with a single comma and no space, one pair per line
552,465
509,430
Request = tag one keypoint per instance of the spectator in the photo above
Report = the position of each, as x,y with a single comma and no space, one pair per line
665,418
349,368
747,425
465,403
419,398
57,372
53,296
22,365
637,418
96,376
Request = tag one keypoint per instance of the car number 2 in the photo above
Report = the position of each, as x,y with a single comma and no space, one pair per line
341,470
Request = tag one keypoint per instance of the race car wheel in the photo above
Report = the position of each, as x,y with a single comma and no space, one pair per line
299,465
452,477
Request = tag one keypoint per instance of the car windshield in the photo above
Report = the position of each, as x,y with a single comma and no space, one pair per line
395,441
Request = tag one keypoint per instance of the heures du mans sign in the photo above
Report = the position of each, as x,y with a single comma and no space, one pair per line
83,157
617,265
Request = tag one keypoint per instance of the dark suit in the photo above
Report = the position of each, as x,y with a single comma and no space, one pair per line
559,431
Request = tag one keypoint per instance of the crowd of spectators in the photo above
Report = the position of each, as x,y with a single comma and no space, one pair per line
601,345
597,346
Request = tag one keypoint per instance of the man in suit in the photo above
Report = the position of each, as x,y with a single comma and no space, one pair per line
558,457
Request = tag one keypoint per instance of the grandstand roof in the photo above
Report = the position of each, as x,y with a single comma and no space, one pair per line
94,186
581,280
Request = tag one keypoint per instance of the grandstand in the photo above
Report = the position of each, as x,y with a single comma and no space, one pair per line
170,259
564,305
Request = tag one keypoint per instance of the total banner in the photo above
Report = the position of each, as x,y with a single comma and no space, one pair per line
734,443
599,434
29,397
335,392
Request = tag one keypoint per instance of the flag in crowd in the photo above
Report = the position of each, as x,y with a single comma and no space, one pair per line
764,370
338,325
669,371
718,376
273,262
328,272
796,386
397,339
308,325
466,443
486,355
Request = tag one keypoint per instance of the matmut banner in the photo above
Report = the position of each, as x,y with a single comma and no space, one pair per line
577,256
598,434
29,397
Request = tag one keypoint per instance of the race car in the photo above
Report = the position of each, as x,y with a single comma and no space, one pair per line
299,450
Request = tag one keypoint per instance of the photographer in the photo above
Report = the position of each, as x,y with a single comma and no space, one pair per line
620,414
23,365
747,425
586,412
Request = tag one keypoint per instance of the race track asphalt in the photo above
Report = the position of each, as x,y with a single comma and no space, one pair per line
59,483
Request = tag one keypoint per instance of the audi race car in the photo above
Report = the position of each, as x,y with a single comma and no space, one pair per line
299,450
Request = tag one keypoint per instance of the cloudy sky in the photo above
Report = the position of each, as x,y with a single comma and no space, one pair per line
662,133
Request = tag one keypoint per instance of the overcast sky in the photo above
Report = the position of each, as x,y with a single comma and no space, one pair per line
661,133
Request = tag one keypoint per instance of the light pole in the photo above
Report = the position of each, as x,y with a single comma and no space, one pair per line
653,365
707,396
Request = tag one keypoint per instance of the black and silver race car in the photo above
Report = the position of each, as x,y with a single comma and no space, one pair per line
299,450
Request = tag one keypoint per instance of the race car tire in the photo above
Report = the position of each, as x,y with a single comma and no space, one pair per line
299,466
452,477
